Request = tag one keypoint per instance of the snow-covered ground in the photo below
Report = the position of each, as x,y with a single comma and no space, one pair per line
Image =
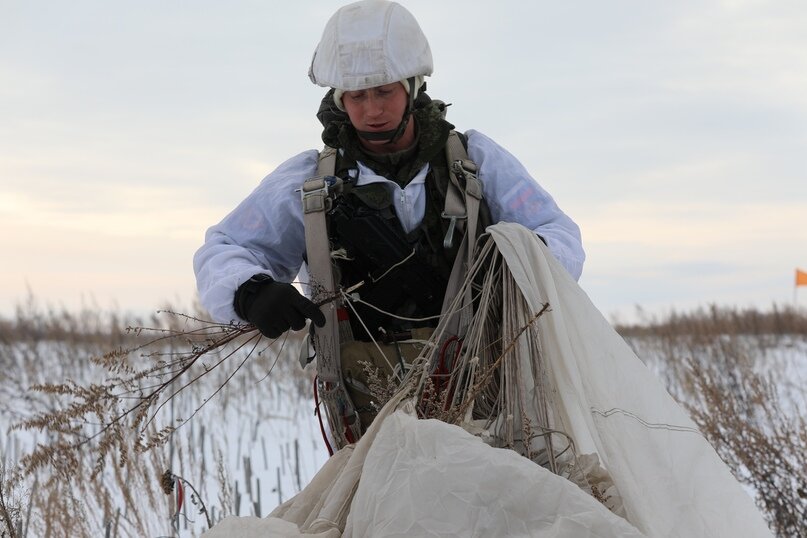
250,447
257,442
781,358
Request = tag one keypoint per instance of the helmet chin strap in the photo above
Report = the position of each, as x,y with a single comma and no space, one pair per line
393,135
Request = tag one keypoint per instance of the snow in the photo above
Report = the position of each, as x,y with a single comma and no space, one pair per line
261,428
249,448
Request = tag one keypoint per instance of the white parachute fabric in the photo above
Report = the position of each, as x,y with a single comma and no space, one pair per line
410,477
255,527
671,480
429,478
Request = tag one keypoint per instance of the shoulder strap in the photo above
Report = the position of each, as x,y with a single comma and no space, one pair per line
326,164
342,416
463,200
464,191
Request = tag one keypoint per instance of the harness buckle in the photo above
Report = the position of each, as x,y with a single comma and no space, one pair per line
316,193
461,166
448,241
467,170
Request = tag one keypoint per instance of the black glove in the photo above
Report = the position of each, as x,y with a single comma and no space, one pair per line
274,307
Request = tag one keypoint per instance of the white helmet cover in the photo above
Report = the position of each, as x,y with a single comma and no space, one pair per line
370,43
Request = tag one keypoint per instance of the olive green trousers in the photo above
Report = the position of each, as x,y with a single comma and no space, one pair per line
370,377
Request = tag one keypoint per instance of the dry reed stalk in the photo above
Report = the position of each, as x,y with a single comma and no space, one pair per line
716,363
107,401
10,508
752,434
168,481
24,359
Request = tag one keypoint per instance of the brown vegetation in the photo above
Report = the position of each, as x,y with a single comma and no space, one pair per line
742,375
93,394
732,369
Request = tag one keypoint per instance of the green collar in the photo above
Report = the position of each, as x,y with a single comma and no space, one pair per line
431,135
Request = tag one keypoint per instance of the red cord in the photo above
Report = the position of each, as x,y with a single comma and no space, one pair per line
180,495
348,431
319,416
442,372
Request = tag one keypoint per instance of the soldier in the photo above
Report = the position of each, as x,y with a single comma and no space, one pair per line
388,229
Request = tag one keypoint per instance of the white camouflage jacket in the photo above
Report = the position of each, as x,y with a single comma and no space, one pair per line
265,234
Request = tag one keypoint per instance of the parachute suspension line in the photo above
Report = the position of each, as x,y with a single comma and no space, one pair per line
403,261
496,380
485,370
390,314
528,395
375,343
482,338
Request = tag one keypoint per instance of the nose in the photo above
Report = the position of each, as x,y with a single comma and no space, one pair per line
373,106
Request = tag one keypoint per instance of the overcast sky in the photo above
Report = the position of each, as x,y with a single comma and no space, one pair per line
674,133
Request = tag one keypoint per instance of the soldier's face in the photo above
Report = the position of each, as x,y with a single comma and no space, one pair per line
379,109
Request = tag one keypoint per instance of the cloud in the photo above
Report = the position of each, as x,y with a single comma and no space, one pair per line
673,132
693,223
659,255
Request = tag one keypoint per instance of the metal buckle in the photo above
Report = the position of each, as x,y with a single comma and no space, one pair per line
448,241
316,193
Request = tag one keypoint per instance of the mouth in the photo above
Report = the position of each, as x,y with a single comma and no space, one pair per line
377,126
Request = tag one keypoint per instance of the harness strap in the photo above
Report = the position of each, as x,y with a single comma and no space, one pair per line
462,204
462,208
454,205
316,202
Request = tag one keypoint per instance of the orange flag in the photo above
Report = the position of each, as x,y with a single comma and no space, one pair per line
801,278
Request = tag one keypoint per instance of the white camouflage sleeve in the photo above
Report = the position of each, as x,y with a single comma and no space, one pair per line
263,234
514,196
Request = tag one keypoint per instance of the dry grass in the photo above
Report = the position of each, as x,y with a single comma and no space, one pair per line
702,324
92,404
736,371
742,375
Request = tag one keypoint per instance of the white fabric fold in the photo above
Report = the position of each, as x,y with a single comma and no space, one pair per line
410,477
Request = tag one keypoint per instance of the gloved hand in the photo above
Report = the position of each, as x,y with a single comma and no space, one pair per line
274,307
